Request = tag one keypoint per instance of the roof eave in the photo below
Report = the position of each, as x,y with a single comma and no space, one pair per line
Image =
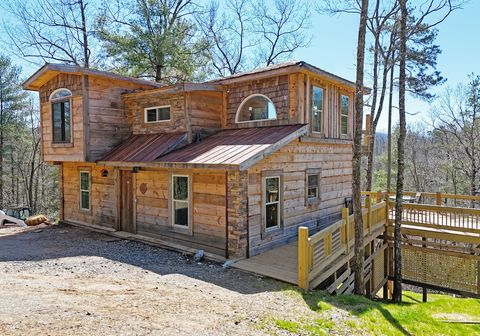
29,84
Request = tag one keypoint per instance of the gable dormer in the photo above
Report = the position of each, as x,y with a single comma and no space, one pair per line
192,108
290,93
82,113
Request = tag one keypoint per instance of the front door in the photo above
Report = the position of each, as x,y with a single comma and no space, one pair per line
127,220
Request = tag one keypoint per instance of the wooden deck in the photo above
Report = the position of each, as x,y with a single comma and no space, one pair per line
279,263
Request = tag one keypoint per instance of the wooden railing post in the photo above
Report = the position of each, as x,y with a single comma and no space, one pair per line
346,230
303,257
438,197
368,205
379,196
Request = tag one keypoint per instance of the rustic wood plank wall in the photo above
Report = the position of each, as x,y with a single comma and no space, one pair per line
103,195
206,112
108,123
334,160
208,202
136,114
62,152
275,88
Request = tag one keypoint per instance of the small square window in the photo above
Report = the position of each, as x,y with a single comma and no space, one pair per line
155,114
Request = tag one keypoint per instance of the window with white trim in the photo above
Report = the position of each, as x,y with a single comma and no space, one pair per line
272,199
157,113
256,107
85,190
344,102
61,115
180,200
317,109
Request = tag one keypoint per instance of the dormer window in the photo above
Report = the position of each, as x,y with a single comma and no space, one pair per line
61,115
255,108
157,113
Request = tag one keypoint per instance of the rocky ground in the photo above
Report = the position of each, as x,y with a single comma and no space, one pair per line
62,280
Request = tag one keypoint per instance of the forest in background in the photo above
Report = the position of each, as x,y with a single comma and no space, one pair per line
172,41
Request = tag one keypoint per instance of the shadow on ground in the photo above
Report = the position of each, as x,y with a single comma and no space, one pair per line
355,305
63,241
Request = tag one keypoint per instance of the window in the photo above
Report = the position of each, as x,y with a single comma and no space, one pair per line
84,190
272,202
180,200
61,115
158,113
256,107
344,115
317,109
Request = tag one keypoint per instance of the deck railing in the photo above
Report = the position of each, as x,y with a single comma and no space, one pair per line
323,253
440,217
436,198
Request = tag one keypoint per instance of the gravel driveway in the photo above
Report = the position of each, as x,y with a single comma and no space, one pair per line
63,280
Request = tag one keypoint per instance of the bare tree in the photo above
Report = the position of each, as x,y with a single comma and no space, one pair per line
456,117
283,28
357,154
51,30
397,259
228,31
245,34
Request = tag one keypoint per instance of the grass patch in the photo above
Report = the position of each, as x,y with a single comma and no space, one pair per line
317,327
412,317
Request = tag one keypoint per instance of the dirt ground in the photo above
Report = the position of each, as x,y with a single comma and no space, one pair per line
62,280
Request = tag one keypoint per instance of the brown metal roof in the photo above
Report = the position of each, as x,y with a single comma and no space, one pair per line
144,147
236,146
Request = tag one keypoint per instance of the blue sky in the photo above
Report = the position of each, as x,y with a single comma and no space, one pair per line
333,48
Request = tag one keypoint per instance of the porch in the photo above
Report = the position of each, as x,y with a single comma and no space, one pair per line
430,234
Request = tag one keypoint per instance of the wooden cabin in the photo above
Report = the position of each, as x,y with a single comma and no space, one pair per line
231,166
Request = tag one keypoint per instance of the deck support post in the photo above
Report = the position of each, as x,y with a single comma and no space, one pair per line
303,257
438,198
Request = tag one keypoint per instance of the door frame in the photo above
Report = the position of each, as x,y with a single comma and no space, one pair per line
118,181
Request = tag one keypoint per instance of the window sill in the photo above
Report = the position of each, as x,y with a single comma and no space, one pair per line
62,144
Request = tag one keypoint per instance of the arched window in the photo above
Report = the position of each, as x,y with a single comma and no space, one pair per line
61,115
256,107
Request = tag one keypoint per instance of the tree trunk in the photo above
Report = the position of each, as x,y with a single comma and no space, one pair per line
389,140
357,154
86,51
397,272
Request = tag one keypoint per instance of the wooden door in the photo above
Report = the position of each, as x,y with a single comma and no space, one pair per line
127,219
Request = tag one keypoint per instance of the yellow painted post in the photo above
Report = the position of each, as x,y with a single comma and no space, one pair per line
346,225
303,257
438,198
368,205
379,196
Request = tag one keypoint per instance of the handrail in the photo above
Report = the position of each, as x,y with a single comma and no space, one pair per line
318,251
437,196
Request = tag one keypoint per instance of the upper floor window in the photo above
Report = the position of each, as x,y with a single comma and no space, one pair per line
61,115
345,103
256,107
157,113
317,109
